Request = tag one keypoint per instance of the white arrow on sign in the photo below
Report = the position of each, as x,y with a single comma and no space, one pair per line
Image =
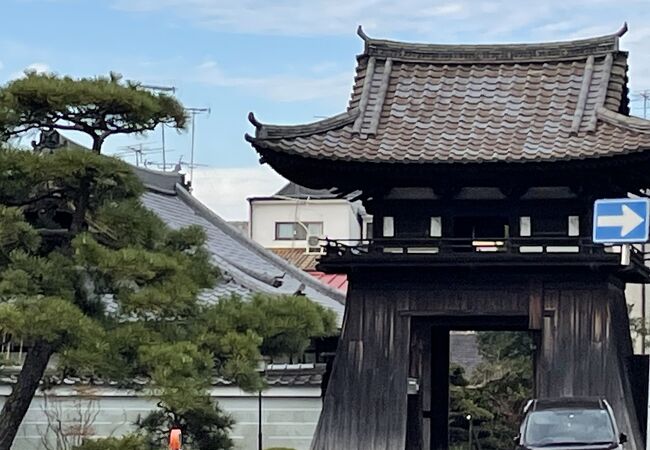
627,221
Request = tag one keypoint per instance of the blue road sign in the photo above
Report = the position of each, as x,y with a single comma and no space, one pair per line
621,220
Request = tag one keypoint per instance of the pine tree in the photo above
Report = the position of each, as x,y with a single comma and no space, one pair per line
99,107
87,272
61,267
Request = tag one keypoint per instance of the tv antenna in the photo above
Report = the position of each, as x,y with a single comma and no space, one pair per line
193,113
645,96
139,151
171,89
180,164
147,163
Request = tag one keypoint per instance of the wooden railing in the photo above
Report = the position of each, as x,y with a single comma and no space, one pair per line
529,246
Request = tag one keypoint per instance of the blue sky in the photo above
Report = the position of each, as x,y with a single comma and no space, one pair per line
288,61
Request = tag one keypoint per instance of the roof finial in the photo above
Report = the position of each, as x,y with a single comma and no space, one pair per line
622,30
361,34
253,120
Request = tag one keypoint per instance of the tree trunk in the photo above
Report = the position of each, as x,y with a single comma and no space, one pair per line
18,402
81,206
97,144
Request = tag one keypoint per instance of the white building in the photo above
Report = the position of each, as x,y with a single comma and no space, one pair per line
289,217
285,221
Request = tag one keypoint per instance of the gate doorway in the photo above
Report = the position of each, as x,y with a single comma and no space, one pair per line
442,394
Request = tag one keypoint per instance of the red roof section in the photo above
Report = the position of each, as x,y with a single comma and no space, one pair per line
337,281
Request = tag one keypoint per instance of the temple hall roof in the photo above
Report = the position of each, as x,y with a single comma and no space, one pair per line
440,104
246,267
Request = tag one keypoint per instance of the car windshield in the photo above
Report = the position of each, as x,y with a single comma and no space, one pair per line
569,426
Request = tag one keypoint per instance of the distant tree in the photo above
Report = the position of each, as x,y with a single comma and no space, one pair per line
462,402
504,383
130,442
99,107
496,392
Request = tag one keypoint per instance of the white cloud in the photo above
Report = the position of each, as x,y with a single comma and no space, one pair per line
282,88
430,18
288,17
225,190
37,67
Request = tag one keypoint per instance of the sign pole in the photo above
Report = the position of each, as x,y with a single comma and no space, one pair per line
259,418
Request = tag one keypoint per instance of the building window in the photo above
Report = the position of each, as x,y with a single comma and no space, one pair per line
389,226
574,226
524,226
369,230
297,231
435,227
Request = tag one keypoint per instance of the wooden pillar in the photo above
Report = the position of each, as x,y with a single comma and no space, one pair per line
439,388
366,402
417,437
585,346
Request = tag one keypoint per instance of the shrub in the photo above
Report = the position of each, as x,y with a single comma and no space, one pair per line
129,442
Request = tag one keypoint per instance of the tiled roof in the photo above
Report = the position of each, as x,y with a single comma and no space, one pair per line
294,190
294,375
298,257
420,103
246,267
336,280
463,348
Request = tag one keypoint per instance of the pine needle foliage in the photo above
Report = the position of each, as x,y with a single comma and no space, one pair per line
100,107
496,392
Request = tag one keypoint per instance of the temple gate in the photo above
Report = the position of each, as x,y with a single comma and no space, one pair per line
480,165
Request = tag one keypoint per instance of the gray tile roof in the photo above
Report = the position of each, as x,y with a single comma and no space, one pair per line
246,266
293,375
294,190
421,103
463,349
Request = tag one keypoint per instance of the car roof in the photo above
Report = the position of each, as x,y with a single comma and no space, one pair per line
568,402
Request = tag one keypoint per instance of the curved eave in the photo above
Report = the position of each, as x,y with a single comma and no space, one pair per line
280,142
631,170
266,131
542,52
267,147
632,124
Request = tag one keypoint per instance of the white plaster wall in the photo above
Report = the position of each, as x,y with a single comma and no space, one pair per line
338,217
289,415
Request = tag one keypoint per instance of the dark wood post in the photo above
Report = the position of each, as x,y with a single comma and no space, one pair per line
439,389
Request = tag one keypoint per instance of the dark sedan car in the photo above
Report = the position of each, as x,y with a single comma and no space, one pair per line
569,423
